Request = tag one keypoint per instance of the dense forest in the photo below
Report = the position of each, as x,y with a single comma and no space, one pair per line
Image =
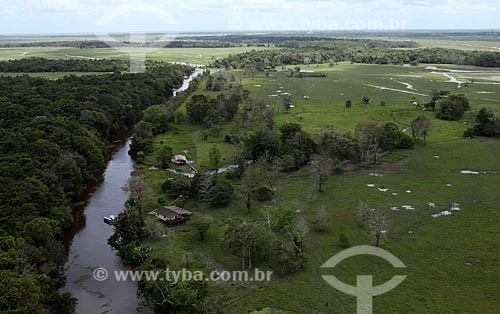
31,65
359,54
54,135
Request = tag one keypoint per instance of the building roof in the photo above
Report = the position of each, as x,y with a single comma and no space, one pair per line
180,157
171,211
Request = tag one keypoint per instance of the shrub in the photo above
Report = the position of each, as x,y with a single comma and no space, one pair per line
221,193
176,187
263,193
343,241
405,141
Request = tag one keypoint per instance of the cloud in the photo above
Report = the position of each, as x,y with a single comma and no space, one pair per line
82,15
52,5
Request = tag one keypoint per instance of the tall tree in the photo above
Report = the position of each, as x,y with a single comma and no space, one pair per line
322,169
421,127
248,186
164,156
215,157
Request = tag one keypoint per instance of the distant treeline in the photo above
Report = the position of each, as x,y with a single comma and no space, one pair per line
31,65
225,41
53,139
62,43
360,53
300,41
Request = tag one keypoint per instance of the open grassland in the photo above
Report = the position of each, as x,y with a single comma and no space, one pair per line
202,56
461,43
487,45
407,85
449,259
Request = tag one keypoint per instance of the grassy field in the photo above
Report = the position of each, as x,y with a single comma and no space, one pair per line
488,45
449,259
202,56
464,43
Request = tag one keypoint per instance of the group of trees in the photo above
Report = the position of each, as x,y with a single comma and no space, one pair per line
214,191
346,51
452,107
279,240
54,136
486,125
212,111
30,65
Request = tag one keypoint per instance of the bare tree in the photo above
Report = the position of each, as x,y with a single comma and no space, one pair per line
138,189
268,169
240,160
154,228
322,167
377,224
321,219
363,211
248,186
245,240
369,137
298,234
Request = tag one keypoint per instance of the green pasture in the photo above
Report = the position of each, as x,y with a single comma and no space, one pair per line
449,259
202,56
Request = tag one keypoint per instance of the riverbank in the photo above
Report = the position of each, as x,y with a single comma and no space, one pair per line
86,242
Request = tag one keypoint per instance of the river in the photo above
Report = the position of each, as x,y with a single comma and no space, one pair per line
87,246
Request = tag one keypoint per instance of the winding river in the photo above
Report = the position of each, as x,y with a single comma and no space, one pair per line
87,246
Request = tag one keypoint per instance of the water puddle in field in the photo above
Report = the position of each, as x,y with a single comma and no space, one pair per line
469,172
408,85
84,57
395,90
453,208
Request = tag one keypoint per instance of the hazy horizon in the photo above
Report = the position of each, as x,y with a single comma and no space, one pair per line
52,17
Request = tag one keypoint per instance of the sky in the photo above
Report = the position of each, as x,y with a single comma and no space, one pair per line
108,16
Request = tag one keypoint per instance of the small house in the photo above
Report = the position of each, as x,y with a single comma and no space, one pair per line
172,215
179,160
